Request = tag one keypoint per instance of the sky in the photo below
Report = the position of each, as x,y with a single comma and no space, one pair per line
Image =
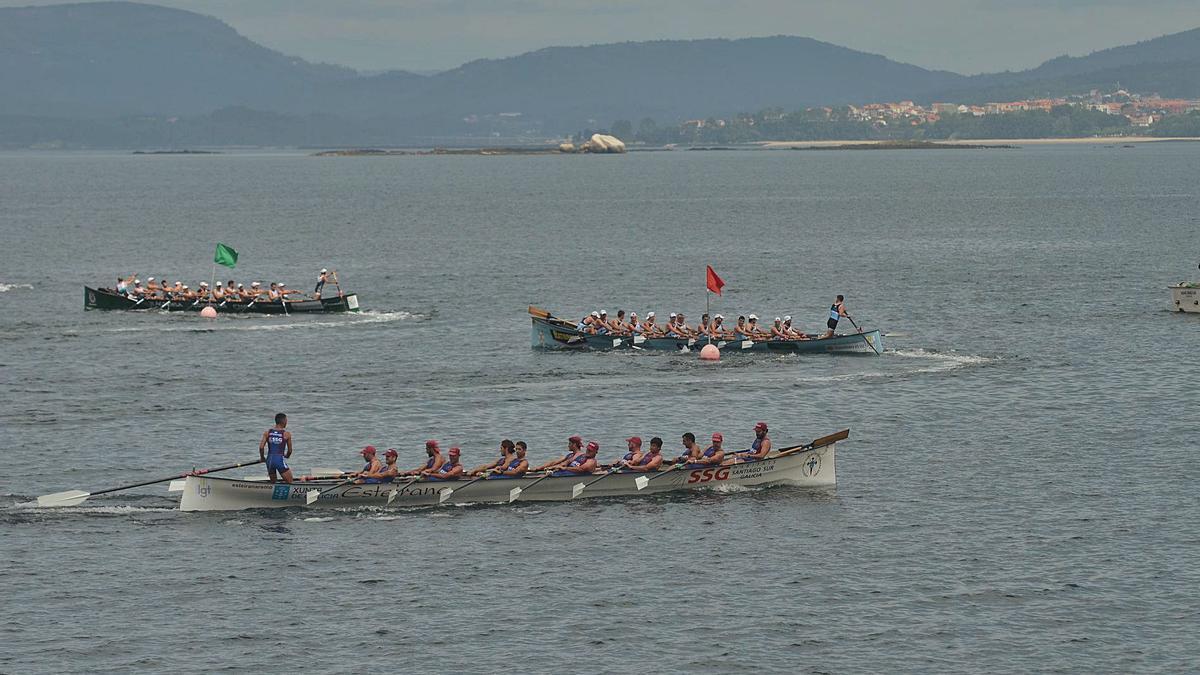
965,36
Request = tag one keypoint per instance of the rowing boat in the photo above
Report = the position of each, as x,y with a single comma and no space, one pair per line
553,333
1185,296
103,298
810,465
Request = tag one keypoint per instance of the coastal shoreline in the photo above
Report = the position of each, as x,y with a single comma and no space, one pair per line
1090,140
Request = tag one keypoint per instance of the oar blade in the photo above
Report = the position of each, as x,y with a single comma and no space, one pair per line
444,494
325,472
68,498
176,486
312,496
392,496
513,494
747,344
577,489
641,482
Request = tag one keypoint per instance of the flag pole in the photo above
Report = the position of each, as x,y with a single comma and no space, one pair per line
211,282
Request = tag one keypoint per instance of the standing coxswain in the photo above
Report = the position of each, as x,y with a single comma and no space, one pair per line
275,448
321,279
836,311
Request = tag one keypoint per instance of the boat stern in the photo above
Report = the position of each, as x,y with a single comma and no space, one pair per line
1185,297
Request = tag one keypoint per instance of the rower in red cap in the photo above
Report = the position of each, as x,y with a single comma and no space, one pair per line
574,449
385,474
633,456
713,455
651,460
451,470
373,463
759,449
584,462
434,462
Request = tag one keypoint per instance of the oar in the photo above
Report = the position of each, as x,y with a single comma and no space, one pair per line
396,491
578,488
642,481
283,301
864,336
445,492
77,497
514,493
313,495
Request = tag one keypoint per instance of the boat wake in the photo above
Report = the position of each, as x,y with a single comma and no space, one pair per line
271,323
4,288
942,361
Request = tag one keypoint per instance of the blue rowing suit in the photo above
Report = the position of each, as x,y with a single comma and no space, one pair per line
835,315
579,459
441,473
276,446
511,465
707,453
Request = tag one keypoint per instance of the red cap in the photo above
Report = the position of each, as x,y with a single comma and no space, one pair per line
369,450
636,440
718,437
431,444
761,426
391,453
455,452
593,446
575,439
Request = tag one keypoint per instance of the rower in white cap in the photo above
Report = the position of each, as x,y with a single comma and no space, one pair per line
649,327
793,333
777,332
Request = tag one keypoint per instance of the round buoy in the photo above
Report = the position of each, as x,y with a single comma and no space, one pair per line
710,353
209,312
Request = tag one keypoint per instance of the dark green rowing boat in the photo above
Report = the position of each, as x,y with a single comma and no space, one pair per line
103,298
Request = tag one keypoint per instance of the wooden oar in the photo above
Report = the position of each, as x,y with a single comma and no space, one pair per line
864,337
514,493
77,497
445,492
578,488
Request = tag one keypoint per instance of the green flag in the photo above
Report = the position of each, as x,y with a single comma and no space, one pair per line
225,256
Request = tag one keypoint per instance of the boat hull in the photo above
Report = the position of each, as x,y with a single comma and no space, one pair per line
1185,297
810,468
100,298
553,334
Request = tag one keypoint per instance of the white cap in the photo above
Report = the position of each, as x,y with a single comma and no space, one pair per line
649,314
241,285
218,283
185,288
323,270
718,316
278,283
672,315
595,314
604,312
777,319
203,283
256,284
753,317
787,318
633,314
150,279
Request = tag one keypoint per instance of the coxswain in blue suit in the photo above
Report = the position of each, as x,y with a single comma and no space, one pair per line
836,311
760,448
275,448
713,455
651,460
452,469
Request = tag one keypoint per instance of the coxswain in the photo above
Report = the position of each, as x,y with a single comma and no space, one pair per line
275,448
321,279
714,454
452,469
373,465
506,451
633,456
386,473
836,311
758,449
434,461
517,464
574,448
582,463
651,460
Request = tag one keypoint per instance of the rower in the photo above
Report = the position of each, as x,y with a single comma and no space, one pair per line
633,456
137,291
635,326
582,463
601,324
275,448
273,293
718,329
574,447
649,328
752,328
451,470
386,474
255,290
151,286
690,449
777,332
758,449
704,327
682,327
229,286
373,464
740,331
517,464
321,279
651,460
506,450
218,293
793,333
434,462
836,311
671,329
122,286
618,324
713,455
202,293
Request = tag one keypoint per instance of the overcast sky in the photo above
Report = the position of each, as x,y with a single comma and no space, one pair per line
967,36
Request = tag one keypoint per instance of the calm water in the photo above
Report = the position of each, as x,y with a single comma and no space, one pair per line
1019,492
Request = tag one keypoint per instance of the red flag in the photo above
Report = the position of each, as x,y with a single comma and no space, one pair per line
714,282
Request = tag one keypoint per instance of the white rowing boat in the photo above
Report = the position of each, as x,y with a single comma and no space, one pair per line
810,465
